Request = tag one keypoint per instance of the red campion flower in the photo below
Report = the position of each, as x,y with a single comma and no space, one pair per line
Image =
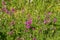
54,20
13,10
28,23
33,28
3,3
34,38
49,13
4,9
45,21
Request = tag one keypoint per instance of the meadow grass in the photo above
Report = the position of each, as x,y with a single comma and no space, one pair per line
29,19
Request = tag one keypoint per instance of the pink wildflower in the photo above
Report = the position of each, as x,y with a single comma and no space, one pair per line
4,9
54,20
49,13
13,10
8,12
34,38
45,21
28,23
28,26
3,3
33,28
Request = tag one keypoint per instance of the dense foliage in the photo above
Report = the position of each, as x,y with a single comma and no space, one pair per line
29,19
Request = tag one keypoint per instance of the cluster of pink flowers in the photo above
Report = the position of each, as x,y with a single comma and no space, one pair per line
47,18
28,23
3,3
49,13
4,8
46,21
13,10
